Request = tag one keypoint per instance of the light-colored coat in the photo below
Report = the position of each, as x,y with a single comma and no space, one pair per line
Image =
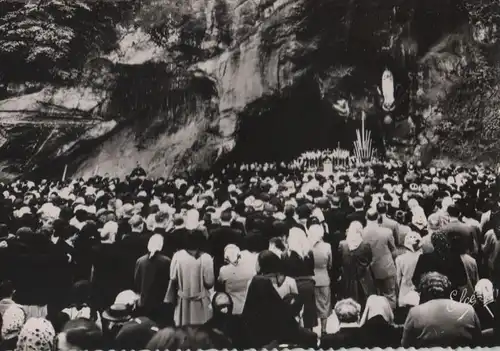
195,278
382,245
405,267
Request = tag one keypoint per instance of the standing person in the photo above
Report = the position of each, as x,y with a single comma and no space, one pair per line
386,222
322,253
222,236
299,264
191,278
439,321
270,266
405,267
381,242
378,320
151,279
468,234
235,276
356,257
449,261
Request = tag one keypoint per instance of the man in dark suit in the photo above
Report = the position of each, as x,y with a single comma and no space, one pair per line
359,212
222,236
174,238
381,242
468,234
386,222
335,217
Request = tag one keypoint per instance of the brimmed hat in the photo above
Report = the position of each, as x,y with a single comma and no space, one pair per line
117,313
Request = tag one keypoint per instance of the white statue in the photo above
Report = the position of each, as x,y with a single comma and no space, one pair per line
387,93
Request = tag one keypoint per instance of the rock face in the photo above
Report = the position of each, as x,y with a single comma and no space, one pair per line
268,79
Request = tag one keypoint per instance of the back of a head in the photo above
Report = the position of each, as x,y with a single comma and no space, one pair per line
136,334
372,215
187,338
81,334
195,240
453,211
226,216
269,262
381,207
347,311
6,289
434,286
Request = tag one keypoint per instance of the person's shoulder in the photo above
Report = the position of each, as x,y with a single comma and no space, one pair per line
142,259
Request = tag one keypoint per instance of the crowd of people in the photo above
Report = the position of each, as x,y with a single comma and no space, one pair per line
252,256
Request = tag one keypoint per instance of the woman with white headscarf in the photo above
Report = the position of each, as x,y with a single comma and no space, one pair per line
151,277
377,328
322,253
405,267
484,303
235,276
356,257
299,264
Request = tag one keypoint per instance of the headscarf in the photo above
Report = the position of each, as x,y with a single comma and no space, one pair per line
318,214
37,335
354,237
377,306
484,288
109,232
13,321
298,242
419,219
128,298
155,244
413,241
315,234
232,254
192,219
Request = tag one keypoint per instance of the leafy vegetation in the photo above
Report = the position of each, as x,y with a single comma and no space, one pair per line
470,129
50,40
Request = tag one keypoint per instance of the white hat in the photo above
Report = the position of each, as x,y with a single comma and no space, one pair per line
127,297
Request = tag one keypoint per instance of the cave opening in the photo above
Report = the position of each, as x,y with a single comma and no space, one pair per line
281,127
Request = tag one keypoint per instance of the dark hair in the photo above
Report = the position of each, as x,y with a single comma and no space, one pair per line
188,338
195,240
80,293
278,242
381,207
84,334
453,211
226,216
6,289
269,262
372,215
